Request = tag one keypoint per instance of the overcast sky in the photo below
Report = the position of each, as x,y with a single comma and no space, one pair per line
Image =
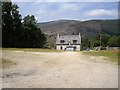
49,11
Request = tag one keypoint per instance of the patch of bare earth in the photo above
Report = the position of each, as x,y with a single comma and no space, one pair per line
58,70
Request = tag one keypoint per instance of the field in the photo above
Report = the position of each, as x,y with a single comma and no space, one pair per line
39,68
113,55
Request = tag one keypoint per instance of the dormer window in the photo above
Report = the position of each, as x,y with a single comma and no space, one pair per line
74,41
62,41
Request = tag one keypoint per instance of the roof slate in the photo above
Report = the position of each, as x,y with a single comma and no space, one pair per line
68,39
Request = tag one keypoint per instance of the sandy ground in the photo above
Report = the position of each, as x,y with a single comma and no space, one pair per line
58,70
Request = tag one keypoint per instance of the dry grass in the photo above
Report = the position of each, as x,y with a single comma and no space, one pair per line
6,63
32,49
113,54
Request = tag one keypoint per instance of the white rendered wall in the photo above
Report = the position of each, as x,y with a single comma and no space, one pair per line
77,47
58,47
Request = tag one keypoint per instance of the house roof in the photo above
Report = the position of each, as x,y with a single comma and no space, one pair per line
68,39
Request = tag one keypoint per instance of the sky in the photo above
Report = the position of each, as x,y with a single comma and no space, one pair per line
45,11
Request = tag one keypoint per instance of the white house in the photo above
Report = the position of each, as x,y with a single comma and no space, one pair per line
68,42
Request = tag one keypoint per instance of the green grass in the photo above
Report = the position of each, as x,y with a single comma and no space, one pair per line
113,55
32,49
7,63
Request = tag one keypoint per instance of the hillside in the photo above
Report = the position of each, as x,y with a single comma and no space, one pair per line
86,28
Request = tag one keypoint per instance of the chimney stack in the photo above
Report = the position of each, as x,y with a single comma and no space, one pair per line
58,35
79,35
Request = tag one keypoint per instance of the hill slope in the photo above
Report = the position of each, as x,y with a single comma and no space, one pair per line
86,28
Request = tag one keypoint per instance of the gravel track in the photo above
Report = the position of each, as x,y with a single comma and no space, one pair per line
58,70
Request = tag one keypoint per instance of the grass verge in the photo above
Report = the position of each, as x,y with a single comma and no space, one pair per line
32,49
113,55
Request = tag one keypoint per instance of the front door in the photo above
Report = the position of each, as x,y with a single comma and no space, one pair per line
61,47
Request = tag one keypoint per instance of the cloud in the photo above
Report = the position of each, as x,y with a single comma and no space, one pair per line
56,9
64,0
66,7
40,12
101,12
46,11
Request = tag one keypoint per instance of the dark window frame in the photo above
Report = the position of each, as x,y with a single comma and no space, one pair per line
75,41
62,41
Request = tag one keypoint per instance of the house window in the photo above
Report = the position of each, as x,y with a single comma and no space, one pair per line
61,48
62,41
74,47
74,41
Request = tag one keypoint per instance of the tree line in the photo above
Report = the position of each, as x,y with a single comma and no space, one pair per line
102,40
18,32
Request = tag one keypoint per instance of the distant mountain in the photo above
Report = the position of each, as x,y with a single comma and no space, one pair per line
87,28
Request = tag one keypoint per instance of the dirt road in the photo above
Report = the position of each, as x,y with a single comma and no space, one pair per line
58,70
